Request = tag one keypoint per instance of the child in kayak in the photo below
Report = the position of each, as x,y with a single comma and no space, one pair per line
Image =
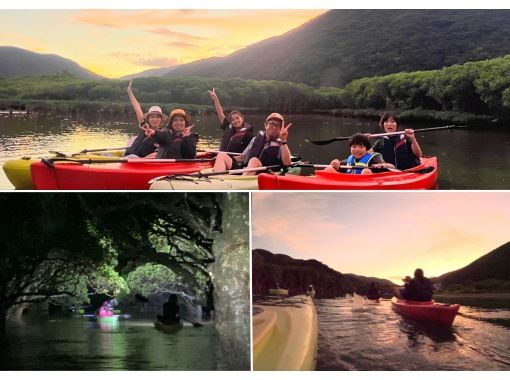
265,149
402,150
141,145
360,158
170,311
177,141
236,133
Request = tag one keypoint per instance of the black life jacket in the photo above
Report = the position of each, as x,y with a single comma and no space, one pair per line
142,146
236,140
173,146
267,151
397,151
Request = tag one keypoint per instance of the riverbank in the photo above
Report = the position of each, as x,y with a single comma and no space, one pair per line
35,107
499,296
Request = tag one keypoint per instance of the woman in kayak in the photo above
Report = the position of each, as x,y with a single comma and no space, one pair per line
419,288
265,149
170,311
360,158
401,150
236,133
177,141
141,145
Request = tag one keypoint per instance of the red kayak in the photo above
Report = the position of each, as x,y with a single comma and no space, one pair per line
431,311
422,177
131,175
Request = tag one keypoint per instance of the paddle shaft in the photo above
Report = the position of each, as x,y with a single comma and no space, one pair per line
219,151
345,138
206,175
101,150
128,160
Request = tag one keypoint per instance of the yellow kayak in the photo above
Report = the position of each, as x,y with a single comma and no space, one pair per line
18,170
285,334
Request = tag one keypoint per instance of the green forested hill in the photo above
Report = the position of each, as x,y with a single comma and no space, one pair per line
296,275
342,45
16,62
489,272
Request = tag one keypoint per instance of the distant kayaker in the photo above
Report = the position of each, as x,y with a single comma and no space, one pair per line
105,310
170,311
360,157
373,292
401,150
265,149
237,134
419,288
141,145
177,141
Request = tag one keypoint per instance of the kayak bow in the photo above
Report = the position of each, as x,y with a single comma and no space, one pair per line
431,311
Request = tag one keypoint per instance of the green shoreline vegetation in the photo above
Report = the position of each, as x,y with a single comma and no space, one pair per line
474,93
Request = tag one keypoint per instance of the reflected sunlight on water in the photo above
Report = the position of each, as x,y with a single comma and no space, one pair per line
374,337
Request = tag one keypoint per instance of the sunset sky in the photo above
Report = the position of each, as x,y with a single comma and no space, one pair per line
114,43
386,235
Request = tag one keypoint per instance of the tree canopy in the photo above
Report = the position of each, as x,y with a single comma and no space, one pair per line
57,245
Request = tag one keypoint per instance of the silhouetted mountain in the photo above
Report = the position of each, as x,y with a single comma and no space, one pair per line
19,62
493,265
296,275
345,44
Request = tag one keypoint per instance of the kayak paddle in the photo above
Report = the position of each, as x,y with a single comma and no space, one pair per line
50,161
206,175
345,138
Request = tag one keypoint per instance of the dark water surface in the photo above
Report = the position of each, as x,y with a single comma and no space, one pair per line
358,336
74,343
468,159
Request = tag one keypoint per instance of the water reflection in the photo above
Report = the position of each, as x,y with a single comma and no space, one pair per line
370,337
79,344
465,162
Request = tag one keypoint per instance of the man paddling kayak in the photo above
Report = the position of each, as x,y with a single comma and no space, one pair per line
418,288
402,150
266,149
170,311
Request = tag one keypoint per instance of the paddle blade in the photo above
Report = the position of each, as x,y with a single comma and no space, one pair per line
322,142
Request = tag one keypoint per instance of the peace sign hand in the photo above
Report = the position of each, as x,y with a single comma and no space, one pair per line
284,132
129,90
212,94
187,131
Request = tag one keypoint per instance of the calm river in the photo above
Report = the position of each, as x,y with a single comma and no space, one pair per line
74,343
468,159
356,336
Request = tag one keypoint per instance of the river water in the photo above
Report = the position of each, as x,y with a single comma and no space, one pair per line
74,343
358,336
469,159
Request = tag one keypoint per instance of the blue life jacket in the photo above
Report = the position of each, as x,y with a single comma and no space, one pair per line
362,163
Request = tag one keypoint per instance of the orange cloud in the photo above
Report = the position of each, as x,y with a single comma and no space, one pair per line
146,60
171,33
181,45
